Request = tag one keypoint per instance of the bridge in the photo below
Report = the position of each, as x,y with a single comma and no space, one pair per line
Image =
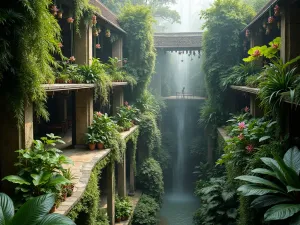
187,41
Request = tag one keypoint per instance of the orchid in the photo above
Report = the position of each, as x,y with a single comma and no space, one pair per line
242,125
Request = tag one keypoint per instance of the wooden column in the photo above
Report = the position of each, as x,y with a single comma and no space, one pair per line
13,138
84,113
111,192
83,45
118,99
285,32
117,50
122,192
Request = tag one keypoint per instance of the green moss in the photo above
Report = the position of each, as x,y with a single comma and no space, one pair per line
134,139
86,211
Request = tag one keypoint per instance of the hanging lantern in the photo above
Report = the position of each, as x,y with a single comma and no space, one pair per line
70,20
277,10
107,33
98,46
59,15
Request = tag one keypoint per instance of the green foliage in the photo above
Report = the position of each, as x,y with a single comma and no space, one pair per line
253,81
29,39
150,179
278,188
256,4
221,46
218,203
34,211
140,45
40,168
239,74
86,211
123,207
126,116
145,211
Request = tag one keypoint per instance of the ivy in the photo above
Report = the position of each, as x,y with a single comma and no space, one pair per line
29,39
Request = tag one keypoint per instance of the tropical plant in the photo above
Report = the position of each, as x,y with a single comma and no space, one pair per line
218,203
40,168
123,208
34,211
145,211
122,118
91,138
278,189
150,179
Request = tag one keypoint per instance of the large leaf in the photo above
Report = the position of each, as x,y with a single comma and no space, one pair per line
281,212
252,189
16,179
34,210
264,172
6,209
55,219
42,178
276,168
261,181
268,200
292,159
290,175
264,138
58,180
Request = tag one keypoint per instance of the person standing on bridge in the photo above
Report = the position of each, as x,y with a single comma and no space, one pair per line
183,90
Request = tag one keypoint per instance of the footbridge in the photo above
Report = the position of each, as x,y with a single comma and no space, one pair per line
185,41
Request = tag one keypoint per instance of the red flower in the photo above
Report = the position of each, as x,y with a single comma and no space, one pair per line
72,59
242,125
241,136
247,109
256,53
99,114
250,148
126,103
70,20
98,46
275,46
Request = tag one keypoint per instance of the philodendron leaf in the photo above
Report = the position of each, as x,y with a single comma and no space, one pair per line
292,159
55,219
281,212
6,209
16,179
34,210
269,200
252,189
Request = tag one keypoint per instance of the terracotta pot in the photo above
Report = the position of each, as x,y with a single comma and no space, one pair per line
64,196
124,218
118,220
100,146
52,210
92,146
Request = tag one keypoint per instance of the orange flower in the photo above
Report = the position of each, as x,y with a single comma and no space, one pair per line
70,20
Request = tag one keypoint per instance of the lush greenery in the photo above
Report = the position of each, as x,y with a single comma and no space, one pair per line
277,186
34,211
140,49
150,179
40,169
145,211
123,208
221,47
29,39
218,203
127,116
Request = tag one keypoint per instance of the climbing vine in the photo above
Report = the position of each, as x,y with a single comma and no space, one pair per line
30,35
138,20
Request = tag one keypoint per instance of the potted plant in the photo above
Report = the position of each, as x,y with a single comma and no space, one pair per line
123,208
91,140
100,141
69,187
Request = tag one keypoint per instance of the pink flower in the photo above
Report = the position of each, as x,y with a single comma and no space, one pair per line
98,46
242,125
271,19
241,136
250,148
72,59
99,114
70,20
247,109
275,46
126,103
276,10
60,45
256,53
54,8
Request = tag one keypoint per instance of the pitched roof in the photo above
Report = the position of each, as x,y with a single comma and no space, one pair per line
186,40
261,13
107,15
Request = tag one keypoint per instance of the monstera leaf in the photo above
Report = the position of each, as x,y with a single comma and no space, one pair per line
33,212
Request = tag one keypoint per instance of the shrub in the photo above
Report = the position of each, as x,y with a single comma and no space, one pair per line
150,179
145,212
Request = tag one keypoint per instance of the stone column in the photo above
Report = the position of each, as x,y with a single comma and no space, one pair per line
122,192
83,45
117,50
84,113
118,99
111,192
131,179
12,139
